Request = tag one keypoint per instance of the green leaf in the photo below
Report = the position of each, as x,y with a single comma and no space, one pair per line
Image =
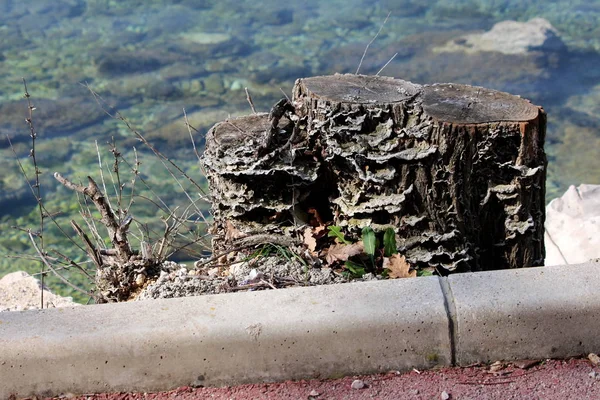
356,270
369,241
389,242
336,232
424,272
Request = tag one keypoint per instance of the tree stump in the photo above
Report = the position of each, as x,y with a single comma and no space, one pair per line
457,171
256,177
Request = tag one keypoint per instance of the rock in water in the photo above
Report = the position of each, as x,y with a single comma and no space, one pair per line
510,37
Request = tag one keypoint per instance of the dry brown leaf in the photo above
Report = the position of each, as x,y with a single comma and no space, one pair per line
497,368
398,267
594,358
232,233
316,218
318,229
309,239
341,252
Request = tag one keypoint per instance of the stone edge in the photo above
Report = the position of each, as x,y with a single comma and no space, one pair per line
315,332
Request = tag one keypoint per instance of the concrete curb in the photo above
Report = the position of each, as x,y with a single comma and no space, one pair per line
326,331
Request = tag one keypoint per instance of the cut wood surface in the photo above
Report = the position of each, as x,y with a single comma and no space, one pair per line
457,171
462,104
358,89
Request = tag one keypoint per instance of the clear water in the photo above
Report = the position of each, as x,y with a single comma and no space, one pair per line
151,59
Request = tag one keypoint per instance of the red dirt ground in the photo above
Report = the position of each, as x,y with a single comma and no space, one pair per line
549,380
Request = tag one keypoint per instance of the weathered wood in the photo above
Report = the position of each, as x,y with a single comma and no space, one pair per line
461,104
256,176
457,171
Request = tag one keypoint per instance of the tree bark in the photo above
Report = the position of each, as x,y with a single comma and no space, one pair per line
257,176
458,171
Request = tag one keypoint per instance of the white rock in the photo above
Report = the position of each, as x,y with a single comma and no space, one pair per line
21,291
213,272
357,384
206,37
509,37
140,279
253,275
573,226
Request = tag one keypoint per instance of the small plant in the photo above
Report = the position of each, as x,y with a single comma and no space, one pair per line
336,232
389,243
369,255
270,249
132,249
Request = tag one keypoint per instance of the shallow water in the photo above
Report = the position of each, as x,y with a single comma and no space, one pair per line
152,59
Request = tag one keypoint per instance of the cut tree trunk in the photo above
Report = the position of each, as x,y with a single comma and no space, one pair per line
256,177
457,171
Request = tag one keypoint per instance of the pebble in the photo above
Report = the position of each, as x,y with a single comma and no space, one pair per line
445,395
593,374
213,272
357,384
314,393
140,279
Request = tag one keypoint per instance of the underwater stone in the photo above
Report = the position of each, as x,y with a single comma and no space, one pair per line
51,117
121,63
510,37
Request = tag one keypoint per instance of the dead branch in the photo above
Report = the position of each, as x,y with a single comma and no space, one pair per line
371,42
51,268
91,249
116,231
70,263
249,98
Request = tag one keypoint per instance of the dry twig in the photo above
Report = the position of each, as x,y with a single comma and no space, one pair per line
117,232
371,42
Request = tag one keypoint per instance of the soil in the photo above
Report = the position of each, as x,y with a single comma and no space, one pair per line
548,380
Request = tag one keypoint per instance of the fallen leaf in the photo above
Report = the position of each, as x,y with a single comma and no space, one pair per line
309,239
594,358
316,219
319,230
398,267
497,366
231,232
341,252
